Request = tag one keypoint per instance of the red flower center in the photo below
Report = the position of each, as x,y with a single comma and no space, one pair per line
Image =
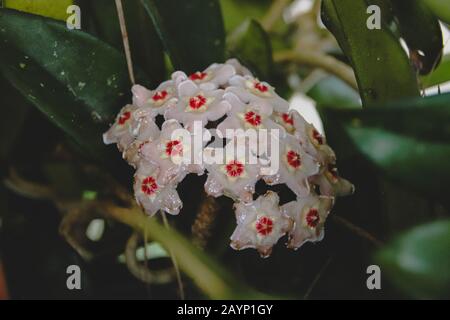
124,118
317,137
312,218
264,226
197,102
160,95
294,159
253,118
261,87
149,186
287,119
174,148
198,76
234,169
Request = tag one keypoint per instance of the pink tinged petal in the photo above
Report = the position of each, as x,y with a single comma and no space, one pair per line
295,167
240,69
121,131
260,224
145,132
178,77
222,74
164,152
310,214
141,95
312,141
235,179
187,89
331,184
286,120
251,89
151,194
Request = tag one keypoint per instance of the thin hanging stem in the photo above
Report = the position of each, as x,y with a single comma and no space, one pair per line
357,231
318,277
174,260
126,43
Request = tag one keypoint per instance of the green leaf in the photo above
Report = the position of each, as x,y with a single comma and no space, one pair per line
440,75
408,141
421,30
47,8
236,11
251,45
145,46
192,31
78,81
441,8
381,66
418,261
335,93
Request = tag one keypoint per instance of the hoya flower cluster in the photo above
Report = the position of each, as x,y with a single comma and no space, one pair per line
227,96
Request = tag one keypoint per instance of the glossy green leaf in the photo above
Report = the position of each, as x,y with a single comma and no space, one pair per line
79,82
441,8
47,8
418,261
192,31
251,45
421,30
236,11
145,45
408,141
438,76
335,93
381,66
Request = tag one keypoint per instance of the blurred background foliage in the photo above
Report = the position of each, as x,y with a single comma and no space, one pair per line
382,103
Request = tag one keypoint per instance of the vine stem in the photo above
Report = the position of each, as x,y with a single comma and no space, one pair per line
126,43
274,13
319,60
317,277
174,260
357,230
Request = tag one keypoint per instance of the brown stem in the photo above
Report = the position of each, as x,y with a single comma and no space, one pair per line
319,60
357,230
317,278
126,43
141,271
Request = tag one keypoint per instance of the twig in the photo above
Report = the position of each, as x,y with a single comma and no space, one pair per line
275,12
140,271
174,261
319,60
126,43
317,277
357,230
26,188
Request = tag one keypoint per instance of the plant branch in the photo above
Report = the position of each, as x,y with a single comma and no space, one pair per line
140,271
275,12
317,277
126,43
357,230
174,260
208,275
319,60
